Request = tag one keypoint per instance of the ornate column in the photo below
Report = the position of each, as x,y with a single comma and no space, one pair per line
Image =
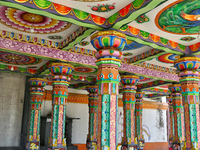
60,84
138,115
171,115
129,90
37,92
189,78
108,45
179,133
93,106
138,118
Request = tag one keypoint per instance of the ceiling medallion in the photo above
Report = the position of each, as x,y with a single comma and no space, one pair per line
142,19
32,18
168,58
127,54
187,39
84,69
16,59
23,21
55,37
180,17
84,43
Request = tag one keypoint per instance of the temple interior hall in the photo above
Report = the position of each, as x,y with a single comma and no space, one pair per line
99,74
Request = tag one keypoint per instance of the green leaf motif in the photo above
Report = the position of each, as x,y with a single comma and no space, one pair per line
42,3
81,14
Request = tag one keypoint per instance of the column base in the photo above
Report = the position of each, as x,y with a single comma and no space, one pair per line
57,148
189,148
91,145
33,145
129,146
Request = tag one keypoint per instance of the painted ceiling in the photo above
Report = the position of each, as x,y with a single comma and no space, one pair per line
34,33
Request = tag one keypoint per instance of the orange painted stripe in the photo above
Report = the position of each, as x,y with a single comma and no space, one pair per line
83,99
148,146
156,146
81,146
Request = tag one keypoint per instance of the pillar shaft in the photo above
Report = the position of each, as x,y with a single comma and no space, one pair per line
93,118
59,100
179,132
189,78
129,90
37,93
108,45
138,115
171,115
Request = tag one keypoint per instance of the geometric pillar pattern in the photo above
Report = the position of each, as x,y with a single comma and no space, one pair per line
171,115
108,45
60,84
93,122
37,92
129,90
138,115
189,78
179,133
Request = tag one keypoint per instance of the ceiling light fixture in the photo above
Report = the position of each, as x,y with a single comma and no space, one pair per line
12,68
32,29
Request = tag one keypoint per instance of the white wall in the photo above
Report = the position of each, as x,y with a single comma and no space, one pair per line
12,88
154,125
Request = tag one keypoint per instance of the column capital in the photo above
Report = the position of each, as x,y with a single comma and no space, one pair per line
139,95
61,68
175,88
129,79
37,82
187,63
109,39
92,88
